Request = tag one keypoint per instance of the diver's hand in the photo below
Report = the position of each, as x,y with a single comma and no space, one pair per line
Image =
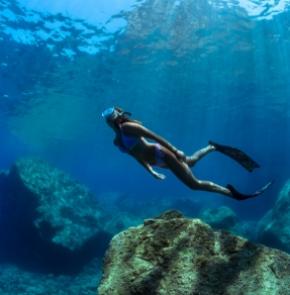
159,175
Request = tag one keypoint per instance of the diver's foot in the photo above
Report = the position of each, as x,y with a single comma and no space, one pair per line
212,146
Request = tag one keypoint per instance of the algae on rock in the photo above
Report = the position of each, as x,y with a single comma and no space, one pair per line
51,222
175,255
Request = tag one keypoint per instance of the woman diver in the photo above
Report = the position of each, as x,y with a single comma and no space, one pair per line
131,138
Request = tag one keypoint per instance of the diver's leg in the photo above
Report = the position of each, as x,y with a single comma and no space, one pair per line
183,172
191,160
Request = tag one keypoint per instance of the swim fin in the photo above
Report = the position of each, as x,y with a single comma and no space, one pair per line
237,155
241,197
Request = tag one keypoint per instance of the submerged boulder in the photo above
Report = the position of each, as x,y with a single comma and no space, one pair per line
50,221
274,227
175,255
17,281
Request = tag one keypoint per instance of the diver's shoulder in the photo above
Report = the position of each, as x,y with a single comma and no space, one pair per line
129,125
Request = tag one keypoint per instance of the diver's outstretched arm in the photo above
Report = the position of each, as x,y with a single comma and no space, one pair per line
149,168
139,130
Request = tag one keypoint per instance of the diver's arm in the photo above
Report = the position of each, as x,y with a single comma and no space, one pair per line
149,168
139,130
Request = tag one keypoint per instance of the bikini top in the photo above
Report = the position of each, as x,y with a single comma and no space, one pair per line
128,141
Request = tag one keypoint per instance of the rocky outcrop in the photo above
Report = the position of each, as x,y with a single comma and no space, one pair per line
17,281
48,220
174,255
274,228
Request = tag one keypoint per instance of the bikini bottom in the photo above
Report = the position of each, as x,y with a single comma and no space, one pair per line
159,156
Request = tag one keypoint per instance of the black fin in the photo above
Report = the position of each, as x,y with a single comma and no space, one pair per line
237,155
241,197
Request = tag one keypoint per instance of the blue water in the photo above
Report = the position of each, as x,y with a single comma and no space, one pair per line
189,70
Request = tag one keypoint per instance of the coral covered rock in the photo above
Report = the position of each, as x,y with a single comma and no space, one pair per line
49,219
274,228
175,255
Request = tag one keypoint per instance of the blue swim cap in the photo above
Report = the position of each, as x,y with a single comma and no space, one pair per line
110,113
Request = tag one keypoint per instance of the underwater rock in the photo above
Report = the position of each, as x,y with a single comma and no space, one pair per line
16,281
51,222
274,227
220,218
172,255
